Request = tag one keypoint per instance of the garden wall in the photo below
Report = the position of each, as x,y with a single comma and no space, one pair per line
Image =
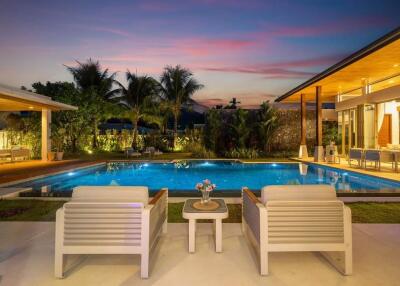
287,136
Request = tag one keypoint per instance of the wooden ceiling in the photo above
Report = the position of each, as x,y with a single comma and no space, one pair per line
380,64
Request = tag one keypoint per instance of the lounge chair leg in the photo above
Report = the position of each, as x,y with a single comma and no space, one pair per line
165,226
348,262
144,265
264,263
58,265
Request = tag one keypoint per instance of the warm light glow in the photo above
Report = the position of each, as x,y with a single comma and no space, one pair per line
396,65
90,151
30,107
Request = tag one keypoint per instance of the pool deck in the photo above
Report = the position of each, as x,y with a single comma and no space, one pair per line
386,171
27,251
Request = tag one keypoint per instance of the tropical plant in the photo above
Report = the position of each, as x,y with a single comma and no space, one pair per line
96,86
213,129
177,86
267,123
240,128
74,122
137,98
242,153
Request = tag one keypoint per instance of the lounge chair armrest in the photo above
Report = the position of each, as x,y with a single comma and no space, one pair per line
252,210
158,195
158,215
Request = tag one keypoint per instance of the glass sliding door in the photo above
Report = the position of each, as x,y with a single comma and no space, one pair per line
353,128
346,130
340,133
369,126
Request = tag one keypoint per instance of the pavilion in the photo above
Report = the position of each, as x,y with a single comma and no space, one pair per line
14,99
365,88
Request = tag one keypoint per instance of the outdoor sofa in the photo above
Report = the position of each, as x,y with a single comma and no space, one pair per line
110,220
15,153
298,218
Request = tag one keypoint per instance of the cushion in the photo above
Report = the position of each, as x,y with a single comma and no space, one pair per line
298,193
137,194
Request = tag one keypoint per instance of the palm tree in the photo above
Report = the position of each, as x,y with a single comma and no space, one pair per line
177,85
137,97
96,86
268,123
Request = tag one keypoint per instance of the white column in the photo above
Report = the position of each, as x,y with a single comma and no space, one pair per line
46,133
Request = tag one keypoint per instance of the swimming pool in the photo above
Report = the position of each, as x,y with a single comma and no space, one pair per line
229,176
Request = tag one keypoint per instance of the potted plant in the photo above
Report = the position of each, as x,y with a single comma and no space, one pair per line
58,140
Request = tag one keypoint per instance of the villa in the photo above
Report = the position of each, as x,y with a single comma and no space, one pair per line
365,88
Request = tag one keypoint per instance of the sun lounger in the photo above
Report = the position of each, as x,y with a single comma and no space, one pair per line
298,218
110,220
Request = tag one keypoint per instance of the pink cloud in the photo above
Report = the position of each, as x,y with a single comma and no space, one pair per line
284,69
265,70
314,62
206,47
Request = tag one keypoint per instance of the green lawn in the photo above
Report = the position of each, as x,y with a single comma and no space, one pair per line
36,210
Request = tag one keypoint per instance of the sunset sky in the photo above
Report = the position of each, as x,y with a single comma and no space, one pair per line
251,50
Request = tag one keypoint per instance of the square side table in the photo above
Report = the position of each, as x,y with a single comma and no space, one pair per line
192,214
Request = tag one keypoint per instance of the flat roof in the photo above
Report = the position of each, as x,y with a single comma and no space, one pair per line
377,60
15,99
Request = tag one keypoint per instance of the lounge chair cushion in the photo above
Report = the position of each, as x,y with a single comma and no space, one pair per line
137,194
298,193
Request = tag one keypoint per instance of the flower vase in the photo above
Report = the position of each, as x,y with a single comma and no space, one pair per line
205,197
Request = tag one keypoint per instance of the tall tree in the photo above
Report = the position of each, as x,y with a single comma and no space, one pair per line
268,123
240,127
73,121
137,98
177,86
96,86
212,132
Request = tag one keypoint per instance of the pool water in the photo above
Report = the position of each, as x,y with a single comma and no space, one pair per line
229,176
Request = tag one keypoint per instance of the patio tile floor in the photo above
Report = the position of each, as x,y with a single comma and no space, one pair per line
26,258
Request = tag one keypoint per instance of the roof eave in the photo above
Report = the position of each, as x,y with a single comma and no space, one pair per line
372,47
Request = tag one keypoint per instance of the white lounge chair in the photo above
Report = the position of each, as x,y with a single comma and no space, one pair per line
298,218
110,220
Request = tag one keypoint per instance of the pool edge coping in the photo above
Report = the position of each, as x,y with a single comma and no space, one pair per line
8,184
